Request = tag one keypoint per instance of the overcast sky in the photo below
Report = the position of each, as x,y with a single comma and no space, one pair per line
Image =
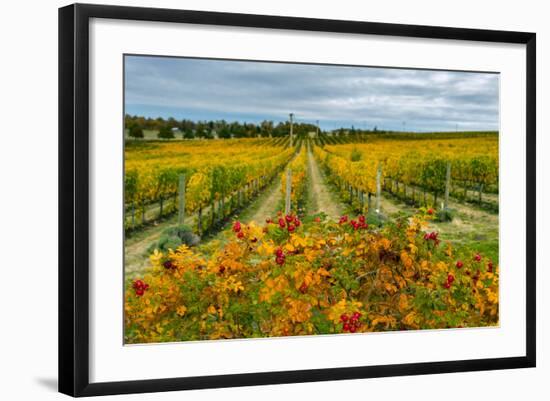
391,99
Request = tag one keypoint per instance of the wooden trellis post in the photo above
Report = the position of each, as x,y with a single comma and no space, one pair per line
291,129
378,189
199,223
288,191
447,186
181,196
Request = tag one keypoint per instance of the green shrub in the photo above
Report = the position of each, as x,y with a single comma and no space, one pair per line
375,219
173,237
444,215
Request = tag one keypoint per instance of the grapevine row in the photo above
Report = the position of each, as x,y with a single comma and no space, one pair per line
213,174
298,168
416,164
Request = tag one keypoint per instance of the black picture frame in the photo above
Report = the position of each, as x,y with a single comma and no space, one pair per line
74,198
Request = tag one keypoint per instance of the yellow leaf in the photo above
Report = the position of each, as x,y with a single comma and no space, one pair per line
403,303
180,310
347,251
323,272
289,247
311,254
266,248
298,241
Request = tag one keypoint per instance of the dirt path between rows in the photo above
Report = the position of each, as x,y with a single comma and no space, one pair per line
322,199
268,206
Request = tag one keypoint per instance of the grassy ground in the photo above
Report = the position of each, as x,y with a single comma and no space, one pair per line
470,227
135,247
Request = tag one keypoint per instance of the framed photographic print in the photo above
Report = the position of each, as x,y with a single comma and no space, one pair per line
250,199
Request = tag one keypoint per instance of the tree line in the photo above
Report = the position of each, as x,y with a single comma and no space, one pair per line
188,129
208,129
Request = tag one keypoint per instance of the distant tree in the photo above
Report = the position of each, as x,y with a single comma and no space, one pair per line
128,121
136,131
172,123
224,132
237,129
157,123
281,129
199,131
266,128
188,134
165,133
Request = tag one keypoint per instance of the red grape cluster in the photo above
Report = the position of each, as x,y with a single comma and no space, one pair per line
450,280
279,256
350,323
432,237
290,222
237,228
360,224
140,287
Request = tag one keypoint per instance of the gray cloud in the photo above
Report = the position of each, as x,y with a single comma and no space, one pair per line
419,100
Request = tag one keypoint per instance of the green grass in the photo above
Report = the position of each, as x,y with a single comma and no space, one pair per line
477,235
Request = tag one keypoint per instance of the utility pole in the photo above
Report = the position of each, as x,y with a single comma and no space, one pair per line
317,128
291,122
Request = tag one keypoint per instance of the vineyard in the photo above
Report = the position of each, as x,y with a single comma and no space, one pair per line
390,261
221,177
411,169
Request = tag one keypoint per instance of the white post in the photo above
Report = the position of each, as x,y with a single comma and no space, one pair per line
288,190
181,195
